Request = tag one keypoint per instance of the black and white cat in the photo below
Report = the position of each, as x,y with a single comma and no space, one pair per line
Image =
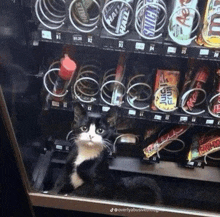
87,171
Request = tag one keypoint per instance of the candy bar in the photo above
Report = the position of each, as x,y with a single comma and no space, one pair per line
164,140
165,89
204,145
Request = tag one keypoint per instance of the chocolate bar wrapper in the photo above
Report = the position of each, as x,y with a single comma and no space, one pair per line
198,82
164,140
210,34
81,11
216,102
123,18
149,18
204,145
111,12
166,98
181,21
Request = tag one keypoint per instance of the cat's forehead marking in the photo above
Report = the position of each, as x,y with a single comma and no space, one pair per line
92,128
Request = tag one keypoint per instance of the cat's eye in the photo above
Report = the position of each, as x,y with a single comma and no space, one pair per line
84,128
100,131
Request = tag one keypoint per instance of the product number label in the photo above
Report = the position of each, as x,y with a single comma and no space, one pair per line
139,46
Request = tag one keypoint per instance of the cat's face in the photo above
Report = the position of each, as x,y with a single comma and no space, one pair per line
90,130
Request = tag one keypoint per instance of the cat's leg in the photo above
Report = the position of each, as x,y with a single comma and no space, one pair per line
75,180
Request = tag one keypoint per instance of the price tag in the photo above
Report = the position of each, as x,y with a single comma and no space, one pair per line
139,46
183,119
77,38
209,121
158,117
54,103
171,50
46,34
191,163
105,108
132,112
59,147
204,52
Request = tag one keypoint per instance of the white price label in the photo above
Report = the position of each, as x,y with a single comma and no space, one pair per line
54,103
183,119
59,147
139,46
209,121
105,108
46,34
132,112
204,52
77,38
171,50
157,117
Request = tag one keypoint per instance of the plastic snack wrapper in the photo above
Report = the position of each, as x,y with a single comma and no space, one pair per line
166,90
214,102
210,34
193,88
204,145
164,140
181,21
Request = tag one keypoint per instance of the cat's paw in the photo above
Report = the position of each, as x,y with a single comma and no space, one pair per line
76,180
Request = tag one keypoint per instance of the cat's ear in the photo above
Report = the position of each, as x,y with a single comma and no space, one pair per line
79,112
111,117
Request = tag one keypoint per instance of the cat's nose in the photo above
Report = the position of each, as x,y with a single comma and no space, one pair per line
90,136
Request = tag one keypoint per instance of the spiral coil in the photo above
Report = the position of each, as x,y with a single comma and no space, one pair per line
108,85
51,13
86,86
184,41
148,27
138,92
85,17
117,16
185,97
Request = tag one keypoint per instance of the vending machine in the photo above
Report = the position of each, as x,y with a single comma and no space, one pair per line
113,106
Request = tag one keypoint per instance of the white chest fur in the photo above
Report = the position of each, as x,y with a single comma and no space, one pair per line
85,152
